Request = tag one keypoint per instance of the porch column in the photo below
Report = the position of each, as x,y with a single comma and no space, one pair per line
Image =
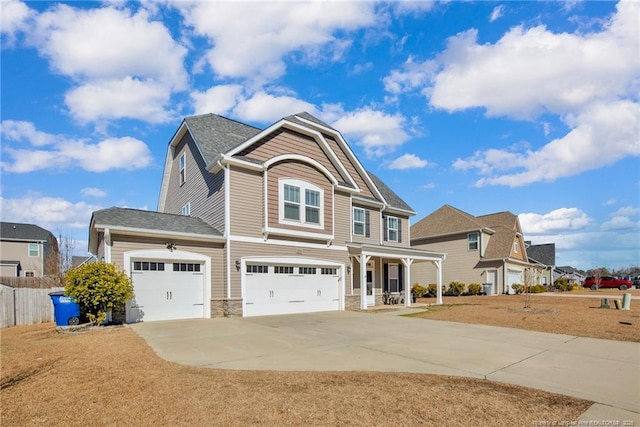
363,280
406,262
438,264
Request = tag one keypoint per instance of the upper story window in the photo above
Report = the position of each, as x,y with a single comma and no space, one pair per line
301,202
472,241
392,229
183,168
34,249
361,222
515,247
186,209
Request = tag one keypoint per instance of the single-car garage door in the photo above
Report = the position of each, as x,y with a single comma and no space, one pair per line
288,289
513,278
166,290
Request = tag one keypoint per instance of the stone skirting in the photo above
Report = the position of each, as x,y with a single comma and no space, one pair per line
352,302
226,308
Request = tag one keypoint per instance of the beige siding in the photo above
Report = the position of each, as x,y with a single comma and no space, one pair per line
304,172
122,244
246,202
19,251
520,254
404,233
243,250
202,189
342,218
285,141
350,167
460,265
375,229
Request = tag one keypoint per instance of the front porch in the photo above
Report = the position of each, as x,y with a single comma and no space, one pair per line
386,274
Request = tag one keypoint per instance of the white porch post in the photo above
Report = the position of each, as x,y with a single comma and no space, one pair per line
363,280
406,262
439,281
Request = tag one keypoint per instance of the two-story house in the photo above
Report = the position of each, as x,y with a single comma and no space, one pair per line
261,221
27,250
480,249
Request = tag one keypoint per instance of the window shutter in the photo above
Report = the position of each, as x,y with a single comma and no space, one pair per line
385,231
399,231
385,278
400,274
367,222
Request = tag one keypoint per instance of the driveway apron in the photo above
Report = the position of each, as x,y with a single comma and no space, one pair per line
603,371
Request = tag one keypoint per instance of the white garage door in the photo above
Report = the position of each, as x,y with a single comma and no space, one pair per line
166,290
288,289
513,277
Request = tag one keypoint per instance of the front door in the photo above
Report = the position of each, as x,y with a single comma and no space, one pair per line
371,298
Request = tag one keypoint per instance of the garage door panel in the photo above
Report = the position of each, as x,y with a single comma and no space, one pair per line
270,293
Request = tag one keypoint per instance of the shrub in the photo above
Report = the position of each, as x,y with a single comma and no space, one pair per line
537,289
517,288
562,284
475,289
456,288
418,291
98,288
432,291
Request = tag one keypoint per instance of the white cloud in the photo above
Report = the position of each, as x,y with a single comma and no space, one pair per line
253,40
14,16
413,7
15,130
622,219
93,192
408,161
217,99
122,63
378,132
264,107
556,221
110,153
497,13
52,213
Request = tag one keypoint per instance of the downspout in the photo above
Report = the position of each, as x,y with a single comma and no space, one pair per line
227,224
107,245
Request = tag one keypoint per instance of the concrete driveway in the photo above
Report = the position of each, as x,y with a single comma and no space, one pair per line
606,372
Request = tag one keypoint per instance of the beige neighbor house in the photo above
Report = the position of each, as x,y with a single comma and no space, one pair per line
27,250
484,249
257,222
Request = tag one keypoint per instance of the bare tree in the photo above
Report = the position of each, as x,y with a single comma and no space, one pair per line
530,276
67,246
597,274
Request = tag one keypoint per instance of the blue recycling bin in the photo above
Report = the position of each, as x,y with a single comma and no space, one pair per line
65,309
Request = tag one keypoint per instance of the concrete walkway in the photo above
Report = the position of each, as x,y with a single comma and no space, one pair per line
605,372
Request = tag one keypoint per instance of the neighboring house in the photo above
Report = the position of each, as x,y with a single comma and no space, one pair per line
544,257
77,261
572,275
480,249
27,250
255,222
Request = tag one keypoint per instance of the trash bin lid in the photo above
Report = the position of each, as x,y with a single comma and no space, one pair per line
56,294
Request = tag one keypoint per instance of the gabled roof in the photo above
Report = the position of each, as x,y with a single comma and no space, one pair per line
389,195
445,220
27,232
544,254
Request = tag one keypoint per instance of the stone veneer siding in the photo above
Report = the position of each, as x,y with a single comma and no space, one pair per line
226,308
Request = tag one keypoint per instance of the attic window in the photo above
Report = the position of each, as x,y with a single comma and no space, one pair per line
472,241
515,247
183,167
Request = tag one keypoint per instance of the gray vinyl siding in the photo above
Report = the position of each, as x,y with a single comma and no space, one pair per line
304,172
122,244
241,250
202,189
246,202
19,251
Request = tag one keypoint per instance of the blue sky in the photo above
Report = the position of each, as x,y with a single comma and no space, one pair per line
528,107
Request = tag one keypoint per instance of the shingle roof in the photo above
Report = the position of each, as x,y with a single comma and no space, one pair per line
309,117
389,195
545,253
148,220
18,231
445,220
216,134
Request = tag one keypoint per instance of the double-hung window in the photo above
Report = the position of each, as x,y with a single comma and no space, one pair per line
34,249
472,241
359,221
183,168
301,203
186,209
392,228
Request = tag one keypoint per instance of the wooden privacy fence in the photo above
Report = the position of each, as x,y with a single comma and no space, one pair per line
26,302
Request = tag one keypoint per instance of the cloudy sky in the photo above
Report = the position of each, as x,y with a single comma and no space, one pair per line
528,107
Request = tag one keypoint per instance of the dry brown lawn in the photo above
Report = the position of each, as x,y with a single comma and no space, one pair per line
110,376
571,313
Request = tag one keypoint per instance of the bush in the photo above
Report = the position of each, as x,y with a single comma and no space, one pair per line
475,289
562,284
518,289
432,291
456,289
418,291
537,289
98,288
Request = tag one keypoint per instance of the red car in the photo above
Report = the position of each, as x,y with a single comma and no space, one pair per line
607,282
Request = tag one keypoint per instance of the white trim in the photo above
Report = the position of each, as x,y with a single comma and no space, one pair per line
295,233
107,245
227,226
396,229
302,186
132,231
177,255
182,169
186,209
291,243
166,175
303,159
353,221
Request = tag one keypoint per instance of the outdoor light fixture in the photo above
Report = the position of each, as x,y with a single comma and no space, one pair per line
348,269
171,246
238,264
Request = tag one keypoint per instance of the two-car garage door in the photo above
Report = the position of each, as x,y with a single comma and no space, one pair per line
166,290
286,289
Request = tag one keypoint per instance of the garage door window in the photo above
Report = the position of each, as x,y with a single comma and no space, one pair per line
280,269
306,270
257,269
148,266
186,266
